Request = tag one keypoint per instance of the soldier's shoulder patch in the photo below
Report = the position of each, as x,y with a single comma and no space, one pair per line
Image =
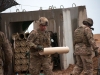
87,29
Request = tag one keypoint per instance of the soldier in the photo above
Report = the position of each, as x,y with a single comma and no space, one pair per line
5,54
37,40
84,44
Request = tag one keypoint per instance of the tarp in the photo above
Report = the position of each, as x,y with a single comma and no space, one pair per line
5,4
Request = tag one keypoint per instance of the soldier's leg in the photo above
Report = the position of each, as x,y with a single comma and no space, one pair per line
35,66
88,65
46,65
78,67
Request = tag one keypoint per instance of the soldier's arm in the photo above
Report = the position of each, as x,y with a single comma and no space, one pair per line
6,47
31,38
91,40
49,40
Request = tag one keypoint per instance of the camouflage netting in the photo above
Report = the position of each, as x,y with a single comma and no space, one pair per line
5,4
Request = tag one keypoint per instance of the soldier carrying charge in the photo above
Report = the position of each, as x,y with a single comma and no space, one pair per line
37,40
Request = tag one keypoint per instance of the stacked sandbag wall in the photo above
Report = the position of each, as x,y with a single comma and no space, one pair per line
20,48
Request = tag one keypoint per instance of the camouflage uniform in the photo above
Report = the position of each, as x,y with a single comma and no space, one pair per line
5,54
84,44
37,61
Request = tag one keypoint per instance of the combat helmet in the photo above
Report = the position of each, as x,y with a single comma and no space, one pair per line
88,21
43,21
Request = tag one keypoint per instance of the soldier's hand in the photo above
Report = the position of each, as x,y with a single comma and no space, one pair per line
40,48
96,53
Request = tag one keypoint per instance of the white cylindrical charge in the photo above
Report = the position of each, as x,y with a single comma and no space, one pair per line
52,50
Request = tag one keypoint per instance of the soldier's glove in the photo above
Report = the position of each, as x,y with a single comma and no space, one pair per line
96,53
40,48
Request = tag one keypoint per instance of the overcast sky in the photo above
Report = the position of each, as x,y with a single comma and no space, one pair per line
92,7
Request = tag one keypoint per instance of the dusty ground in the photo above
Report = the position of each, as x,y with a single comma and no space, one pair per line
70,68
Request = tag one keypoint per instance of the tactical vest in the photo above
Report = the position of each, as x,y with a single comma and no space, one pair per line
42,38
80,36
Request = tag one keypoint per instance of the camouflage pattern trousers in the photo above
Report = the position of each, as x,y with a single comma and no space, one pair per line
37,62
85,64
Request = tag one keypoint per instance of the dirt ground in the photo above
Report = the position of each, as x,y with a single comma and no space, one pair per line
70,68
